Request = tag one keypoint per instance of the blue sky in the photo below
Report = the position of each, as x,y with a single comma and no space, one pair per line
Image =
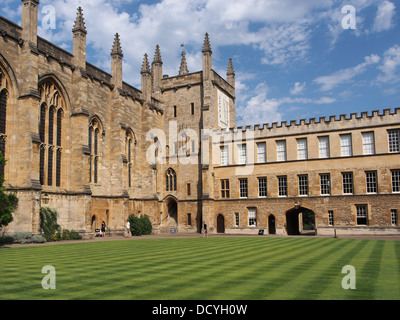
293,58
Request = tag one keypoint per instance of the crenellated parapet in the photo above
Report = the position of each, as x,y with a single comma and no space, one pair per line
323,124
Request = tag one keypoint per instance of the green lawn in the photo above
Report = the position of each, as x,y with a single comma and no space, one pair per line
234,268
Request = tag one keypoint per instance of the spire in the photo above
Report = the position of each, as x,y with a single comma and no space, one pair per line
116,62
145,65
156,72
79,22
206,45
79,40
207,59
146,79
231,71
183,68
157,56
116,49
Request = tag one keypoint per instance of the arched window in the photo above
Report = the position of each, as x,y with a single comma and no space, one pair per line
6,103
3,116
129,142
50,131
170,180
58,159
95,130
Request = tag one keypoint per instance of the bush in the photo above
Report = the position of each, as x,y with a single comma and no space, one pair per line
48,223
37,238
147,228
136,229
23,237
8,202
140,226
6,240
74,235
69,235
27,237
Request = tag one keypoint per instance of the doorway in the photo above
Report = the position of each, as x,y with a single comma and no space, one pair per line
172,213
271,224
220,224
296,227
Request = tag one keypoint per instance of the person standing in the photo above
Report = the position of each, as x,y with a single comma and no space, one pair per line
205,231
103,229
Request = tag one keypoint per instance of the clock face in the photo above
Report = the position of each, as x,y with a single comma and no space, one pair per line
223,110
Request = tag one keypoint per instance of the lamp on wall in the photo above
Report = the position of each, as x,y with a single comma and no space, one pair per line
45,198
296,205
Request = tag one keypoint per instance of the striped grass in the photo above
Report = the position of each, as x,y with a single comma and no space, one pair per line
232,268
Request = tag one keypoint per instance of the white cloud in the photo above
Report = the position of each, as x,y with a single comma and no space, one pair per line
280,29
285,43
391,61
261,109
345,75
298,88
384,17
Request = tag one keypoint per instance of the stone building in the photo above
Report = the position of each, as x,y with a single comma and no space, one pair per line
85,142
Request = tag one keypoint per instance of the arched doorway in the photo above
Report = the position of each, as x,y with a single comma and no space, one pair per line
94,223
271,224
300,221
220,224
172,213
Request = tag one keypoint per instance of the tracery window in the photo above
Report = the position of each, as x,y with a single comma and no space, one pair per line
3,116
95,129
170,180
52,107
129,143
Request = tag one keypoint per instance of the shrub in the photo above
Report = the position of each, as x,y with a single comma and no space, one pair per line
140,226
23,237
37,238
147,228
136,228
6,240
27,237
75,235
8,202
68,235
48,223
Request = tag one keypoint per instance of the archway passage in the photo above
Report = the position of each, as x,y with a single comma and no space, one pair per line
296,227
94,222
271,224
172,213
220,224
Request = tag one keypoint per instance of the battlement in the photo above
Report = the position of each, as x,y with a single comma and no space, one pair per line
342,122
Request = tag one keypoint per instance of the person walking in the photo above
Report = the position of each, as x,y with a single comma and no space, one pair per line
128,228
